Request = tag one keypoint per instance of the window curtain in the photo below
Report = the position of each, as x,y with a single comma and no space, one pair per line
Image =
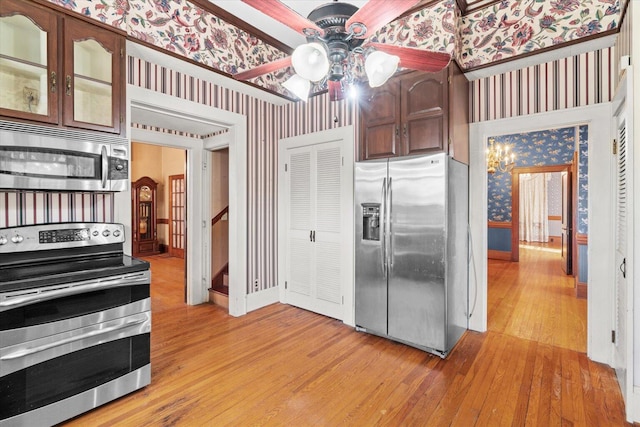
534,217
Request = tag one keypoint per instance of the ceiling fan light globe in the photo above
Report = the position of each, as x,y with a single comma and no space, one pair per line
379,66
298,86
310,61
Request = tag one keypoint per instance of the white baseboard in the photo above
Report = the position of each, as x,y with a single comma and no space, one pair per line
262,298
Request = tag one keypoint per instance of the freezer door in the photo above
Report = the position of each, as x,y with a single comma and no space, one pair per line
417,301
370,266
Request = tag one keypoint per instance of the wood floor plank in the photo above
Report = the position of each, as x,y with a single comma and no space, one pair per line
282,366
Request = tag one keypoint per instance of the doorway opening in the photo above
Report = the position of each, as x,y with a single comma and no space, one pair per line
219,291
531,290
159,221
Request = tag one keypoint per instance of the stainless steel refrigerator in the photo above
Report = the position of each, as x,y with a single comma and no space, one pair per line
411,281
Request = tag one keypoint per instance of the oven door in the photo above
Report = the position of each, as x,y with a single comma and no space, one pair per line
66,349
67,375
37,162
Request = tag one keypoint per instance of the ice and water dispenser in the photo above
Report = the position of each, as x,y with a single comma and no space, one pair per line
370,221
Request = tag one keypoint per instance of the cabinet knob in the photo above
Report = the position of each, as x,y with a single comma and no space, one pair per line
54,82
68,85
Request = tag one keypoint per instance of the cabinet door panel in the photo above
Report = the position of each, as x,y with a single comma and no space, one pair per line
425,135
423,94
380,122
92,79
29,81
424,112
380,142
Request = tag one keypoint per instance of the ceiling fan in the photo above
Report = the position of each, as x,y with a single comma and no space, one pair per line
336,34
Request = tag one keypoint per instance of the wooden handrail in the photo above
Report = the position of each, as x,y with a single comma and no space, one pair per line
218,217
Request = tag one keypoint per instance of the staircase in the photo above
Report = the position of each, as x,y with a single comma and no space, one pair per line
219,290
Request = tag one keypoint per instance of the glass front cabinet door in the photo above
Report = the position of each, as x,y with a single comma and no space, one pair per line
29,80
78,85
92,86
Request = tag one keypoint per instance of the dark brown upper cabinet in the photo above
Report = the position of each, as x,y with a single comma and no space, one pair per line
416,113
60,70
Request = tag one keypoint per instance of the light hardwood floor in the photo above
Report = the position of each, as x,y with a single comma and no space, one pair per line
284,366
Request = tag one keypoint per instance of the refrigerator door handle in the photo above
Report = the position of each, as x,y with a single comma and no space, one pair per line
382,223
389,217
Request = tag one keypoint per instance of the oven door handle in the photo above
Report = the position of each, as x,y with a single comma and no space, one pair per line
131,321
127,280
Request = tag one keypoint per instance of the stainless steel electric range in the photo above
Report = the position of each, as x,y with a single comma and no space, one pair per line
75,321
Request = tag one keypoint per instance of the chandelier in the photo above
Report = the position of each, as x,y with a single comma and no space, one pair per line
499,158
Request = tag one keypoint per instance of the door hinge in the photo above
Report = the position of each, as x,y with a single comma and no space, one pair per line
121,118
121,53
614,147
343,161
204,224
285,167
342,299
204,165
204,281
613,337
449,79
285,284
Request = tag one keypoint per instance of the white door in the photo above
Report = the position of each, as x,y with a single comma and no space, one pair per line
622,336
316,224
621,240
314,232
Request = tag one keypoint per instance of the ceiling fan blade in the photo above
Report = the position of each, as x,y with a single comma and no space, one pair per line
335,90
283,14
415,59
377,13
263,69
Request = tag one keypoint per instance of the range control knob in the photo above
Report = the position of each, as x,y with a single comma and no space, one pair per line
116,233
3,240
17,238
106,233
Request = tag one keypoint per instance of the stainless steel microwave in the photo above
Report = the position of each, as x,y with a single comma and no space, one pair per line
43,158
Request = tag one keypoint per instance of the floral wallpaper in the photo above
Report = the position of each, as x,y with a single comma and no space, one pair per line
541,148
583,181
432,28
499,31
514,27
111,12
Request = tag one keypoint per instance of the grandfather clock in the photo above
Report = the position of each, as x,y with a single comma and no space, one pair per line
145,229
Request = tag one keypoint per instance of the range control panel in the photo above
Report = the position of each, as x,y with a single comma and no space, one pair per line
57,236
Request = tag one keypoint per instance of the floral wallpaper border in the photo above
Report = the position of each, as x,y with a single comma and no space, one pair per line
512,28
502,30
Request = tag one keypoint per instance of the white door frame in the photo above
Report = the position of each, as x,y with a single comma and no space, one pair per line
346,137
198,269
601,246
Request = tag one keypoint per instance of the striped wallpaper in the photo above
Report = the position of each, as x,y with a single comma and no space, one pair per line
623,41
581,80
584,79
262,137
30,207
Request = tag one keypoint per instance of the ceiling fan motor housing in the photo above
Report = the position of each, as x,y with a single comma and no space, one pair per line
332,17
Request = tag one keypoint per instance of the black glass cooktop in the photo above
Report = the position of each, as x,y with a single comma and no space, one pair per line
27,275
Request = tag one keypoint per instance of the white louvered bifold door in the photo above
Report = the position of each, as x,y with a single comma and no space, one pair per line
621,241
314,253
299,234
